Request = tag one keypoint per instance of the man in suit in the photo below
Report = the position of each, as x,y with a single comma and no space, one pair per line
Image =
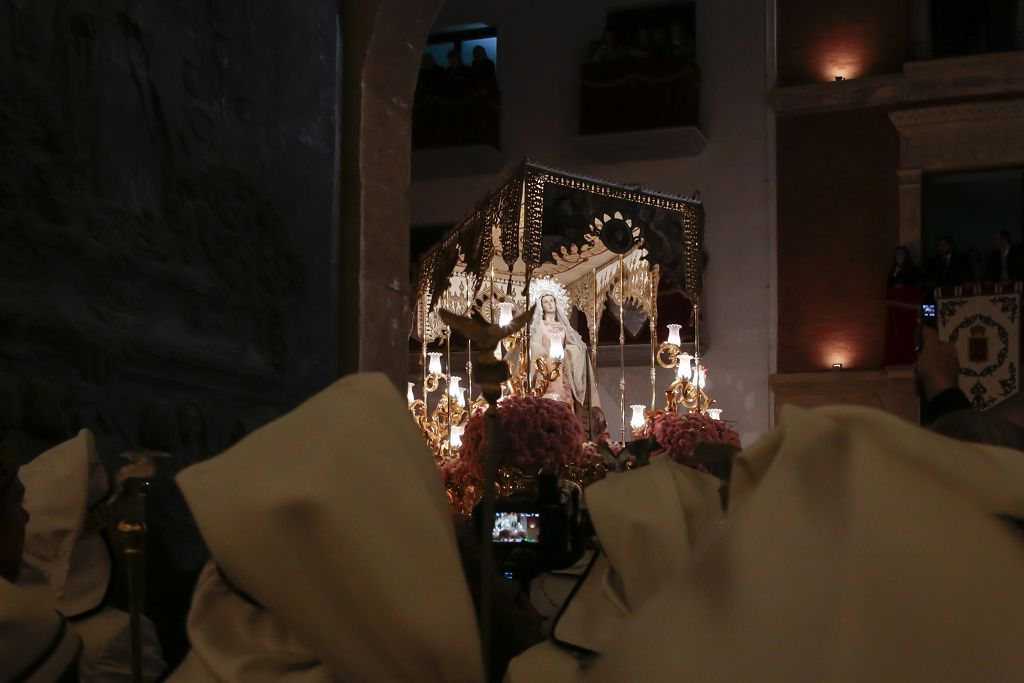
1004,264
948,268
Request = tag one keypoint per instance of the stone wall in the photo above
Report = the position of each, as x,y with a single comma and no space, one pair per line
167,218
838,212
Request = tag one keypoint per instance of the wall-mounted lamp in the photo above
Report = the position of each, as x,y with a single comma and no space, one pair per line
840,78
837,366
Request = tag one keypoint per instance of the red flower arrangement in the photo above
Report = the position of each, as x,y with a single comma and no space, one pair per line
678,434
538,434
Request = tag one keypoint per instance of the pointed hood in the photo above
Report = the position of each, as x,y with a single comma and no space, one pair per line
331,525
858,547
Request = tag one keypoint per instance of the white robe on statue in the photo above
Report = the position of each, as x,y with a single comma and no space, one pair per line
334,556
858,547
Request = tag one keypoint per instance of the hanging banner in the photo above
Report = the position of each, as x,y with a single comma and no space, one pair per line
985,329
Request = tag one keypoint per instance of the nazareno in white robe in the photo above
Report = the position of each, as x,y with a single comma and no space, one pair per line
334,555
68,568
857,547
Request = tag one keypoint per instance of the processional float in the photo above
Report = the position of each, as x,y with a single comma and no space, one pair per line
590,244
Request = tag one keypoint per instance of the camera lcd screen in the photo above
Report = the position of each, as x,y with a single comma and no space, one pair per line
516,527
927,310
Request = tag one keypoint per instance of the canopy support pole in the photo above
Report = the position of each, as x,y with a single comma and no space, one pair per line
622,350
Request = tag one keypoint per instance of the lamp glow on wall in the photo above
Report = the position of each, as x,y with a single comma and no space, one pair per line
845,52
838,354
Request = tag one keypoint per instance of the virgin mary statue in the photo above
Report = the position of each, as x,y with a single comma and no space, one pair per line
576,380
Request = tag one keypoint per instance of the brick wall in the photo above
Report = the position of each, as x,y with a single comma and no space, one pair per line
838,217
819,40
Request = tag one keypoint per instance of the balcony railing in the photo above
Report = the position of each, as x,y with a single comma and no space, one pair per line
660,92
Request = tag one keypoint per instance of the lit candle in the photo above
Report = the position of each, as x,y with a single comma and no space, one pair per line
557,351
409,395
683,369
456,436
715,413
637,420
504,313
434,367
454,390
673,334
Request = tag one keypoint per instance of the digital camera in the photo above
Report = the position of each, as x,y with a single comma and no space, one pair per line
539,531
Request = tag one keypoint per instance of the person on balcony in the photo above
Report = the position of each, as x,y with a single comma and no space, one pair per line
903,272
608,49
1004,264
482,67
641,48
948,268
457,71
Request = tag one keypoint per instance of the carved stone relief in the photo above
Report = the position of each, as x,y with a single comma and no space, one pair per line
166,198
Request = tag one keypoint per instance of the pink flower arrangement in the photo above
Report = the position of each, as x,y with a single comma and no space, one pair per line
606,438
679,433
538,434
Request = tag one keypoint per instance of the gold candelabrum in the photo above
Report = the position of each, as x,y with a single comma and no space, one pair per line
545,369
442,427
687,390
544,374
688,394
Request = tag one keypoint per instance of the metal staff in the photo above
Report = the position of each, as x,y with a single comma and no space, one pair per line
622,350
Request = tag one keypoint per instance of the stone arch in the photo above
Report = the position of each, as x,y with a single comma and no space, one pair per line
381,45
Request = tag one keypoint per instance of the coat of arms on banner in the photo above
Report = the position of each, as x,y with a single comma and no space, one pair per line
986,332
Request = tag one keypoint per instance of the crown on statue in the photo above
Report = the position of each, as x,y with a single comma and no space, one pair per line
544,286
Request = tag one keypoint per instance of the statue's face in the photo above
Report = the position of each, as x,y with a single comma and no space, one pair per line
547,303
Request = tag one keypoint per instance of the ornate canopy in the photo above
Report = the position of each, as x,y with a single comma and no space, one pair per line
547,222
